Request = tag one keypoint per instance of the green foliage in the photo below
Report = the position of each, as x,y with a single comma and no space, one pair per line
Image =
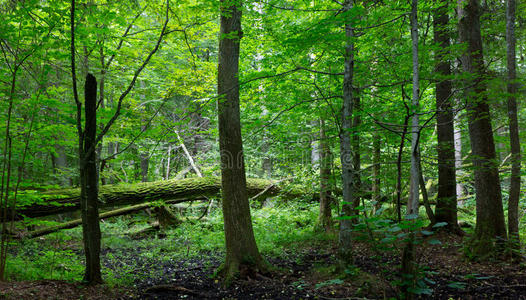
45,259
279,229
281,105
328,283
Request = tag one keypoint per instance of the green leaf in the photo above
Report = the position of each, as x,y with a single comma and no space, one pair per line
434,242
328,282
440,224
411,217
457,285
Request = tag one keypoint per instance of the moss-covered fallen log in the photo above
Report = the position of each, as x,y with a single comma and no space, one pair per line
68,200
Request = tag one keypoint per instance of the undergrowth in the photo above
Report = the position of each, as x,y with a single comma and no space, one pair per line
278,228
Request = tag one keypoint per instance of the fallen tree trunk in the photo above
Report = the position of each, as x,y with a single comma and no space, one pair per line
77,222
175,191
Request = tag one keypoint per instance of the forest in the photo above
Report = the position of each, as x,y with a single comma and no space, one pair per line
265,149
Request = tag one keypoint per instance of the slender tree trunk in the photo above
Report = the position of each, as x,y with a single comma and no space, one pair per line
515,183
315,145
145,163
357,122
241,249
325,217
458,157
90,185
345,234
414,199
425,198
7,151
102,106
446,207
490,215
376,171
168,162
408,255
144,156
399,167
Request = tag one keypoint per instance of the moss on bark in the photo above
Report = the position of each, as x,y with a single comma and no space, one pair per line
67,200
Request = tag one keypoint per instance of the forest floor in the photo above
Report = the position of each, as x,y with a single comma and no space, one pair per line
308,273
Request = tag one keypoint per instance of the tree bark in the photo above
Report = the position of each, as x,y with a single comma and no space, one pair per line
325,217
376,171
425,198
408,264
89,186
490,225
457,127
241,250
399,166
168,162
515,182
315,145
446,208
102,106
346,157
68,200
357,122
74,223
458,158
145,163
414,199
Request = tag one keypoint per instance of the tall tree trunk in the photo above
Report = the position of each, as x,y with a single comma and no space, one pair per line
145,163
90,185
315,145
408,256
490,215
325,217
143,153
446,207
399,163
357,122
241,249
458,156
376,171
168,162
515,183
414,199
345,238
102,106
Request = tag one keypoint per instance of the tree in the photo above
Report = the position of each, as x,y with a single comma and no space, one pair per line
346,157
446,207
88,167
490,225
325,162
89,178
241,250
376,160
414,199
515,183
408,255
88,140
356,126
